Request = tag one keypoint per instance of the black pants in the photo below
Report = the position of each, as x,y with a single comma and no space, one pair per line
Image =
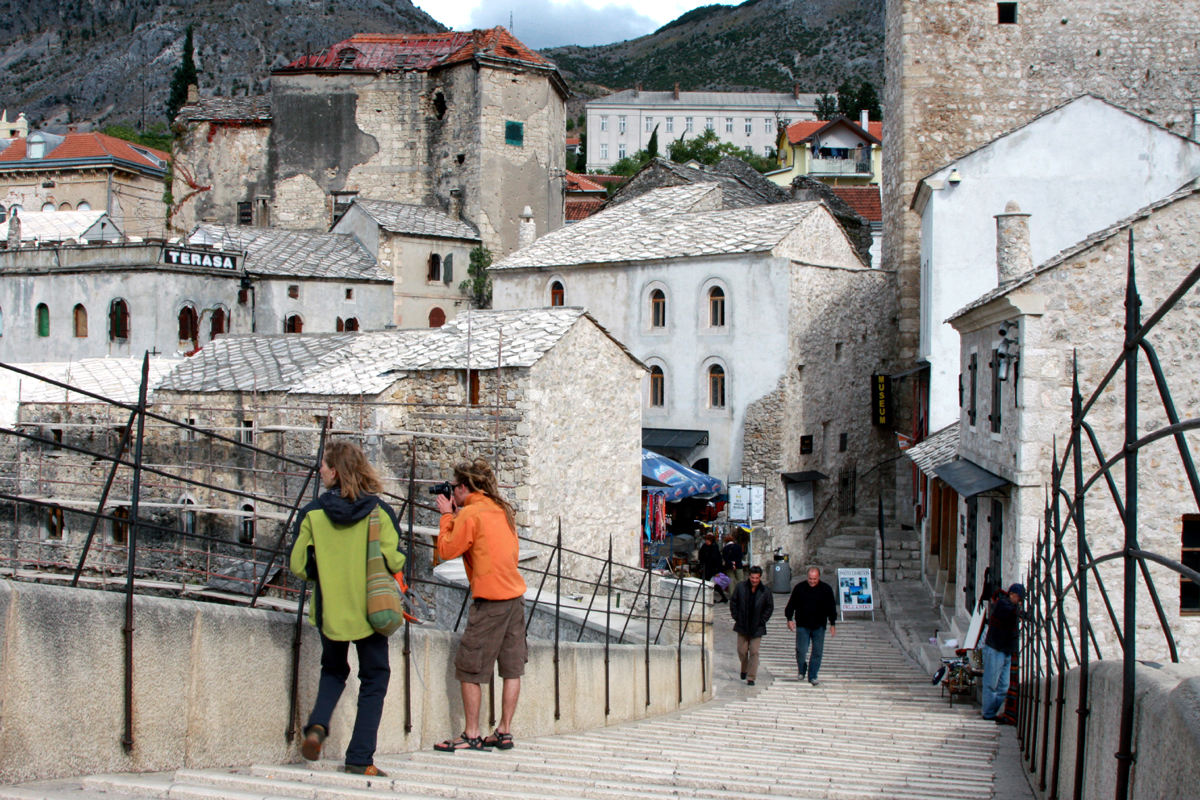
373,675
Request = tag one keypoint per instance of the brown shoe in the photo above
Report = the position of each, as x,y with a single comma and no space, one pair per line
370,769
314,737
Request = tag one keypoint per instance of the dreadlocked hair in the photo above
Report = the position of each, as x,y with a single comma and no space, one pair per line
477,476
355,475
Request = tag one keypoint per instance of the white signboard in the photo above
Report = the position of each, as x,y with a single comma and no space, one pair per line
739,502
800,501
758,503
854,590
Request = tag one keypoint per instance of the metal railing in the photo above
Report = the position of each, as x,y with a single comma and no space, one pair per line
1056,575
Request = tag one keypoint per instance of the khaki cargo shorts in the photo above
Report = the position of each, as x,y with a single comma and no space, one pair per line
495,632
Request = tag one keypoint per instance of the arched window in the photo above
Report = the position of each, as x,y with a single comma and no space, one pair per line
189,517
716,386
55,524
248,525
43,320
558,295
83,205
64,207
120,525
189,327
47,207
351,324
716,307
339,325
658,309
658,387
80,321
437,317
217,325
701,465
435,267
37,146
118,321
3,214
293,324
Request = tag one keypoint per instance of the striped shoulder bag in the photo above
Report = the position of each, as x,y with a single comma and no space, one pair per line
385,610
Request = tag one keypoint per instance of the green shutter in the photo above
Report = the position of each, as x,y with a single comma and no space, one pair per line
448,269
43,320
514,133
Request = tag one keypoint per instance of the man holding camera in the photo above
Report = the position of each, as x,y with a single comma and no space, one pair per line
477,523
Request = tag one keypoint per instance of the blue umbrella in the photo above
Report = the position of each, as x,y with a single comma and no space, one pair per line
680,481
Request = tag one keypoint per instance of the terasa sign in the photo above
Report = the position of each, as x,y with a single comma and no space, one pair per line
881,399
199,258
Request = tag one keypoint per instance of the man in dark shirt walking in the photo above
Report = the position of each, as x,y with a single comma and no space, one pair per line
1004,620
812,604
751,607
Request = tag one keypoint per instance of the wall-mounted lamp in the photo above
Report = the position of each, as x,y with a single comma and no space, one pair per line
1007,353
955,179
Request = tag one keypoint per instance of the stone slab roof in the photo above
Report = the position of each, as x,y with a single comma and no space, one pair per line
741,185
58,226
937,449
301,254
368,363
666,223
1191,188
416,220
231,109
116,378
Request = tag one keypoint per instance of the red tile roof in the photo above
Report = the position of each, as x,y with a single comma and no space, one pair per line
582,209
863,199
418,51
606,179
582,183
89,145
803,131
572,140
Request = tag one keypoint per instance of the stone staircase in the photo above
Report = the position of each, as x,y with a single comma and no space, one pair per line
875,727
855,546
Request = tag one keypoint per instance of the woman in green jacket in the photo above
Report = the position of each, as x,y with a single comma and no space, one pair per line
330,547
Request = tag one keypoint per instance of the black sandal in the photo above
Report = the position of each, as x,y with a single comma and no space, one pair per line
502,741
463,742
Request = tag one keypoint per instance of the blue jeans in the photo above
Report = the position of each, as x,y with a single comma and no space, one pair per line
996,666
373,675
803,637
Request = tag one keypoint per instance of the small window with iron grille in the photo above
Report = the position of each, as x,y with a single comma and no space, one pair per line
997,393
973,367
245,213
1189,590
514,133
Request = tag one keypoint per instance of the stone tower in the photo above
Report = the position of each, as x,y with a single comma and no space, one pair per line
960,72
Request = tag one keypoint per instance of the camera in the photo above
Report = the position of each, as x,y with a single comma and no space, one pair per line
444,488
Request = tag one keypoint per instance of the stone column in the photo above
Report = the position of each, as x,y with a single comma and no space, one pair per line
1013,255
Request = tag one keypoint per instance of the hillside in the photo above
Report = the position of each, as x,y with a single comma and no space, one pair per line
108,61
760,44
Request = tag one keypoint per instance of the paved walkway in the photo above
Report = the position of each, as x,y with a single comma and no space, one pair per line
875,727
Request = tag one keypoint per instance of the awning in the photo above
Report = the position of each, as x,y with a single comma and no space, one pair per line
680,481
968,479
802,477
673,438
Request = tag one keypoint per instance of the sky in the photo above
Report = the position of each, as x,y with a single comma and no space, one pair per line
550,23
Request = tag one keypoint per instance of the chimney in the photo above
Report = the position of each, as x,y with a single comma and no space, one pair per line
528,229
14,231
677,91
456,203
1013,256
864,120
637,88
795,91
193,96
1195,137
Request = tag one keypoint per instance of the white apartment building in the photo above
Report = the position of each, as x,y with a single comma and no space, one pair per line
621,124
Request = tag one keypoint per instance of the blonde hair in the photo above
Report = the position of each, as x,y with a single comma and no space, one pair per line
477,476
355,475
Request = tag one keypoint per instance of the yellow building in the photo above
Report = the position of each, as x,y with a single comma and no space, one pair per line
839,153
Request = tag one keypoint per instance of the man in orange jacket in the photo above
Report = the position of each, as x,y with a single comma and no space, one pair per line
477,524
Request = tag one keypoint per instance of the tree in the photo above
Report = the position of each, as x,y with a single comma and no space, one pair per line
478,285
185,76
581,157
847,97
652,148
827,107
708,149
570,124
868,100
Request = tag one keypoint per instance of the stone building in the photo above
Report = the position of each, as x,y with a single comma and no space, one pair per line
760,327
547,395
1019,344
473,118
61,301
85,172
427,251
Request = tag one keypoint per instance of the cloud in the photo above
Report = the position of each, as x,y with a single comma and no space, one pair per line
544,23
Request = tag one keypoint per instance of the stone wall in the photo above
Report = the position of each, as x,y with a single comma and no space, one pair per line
211,686
134,202
218,164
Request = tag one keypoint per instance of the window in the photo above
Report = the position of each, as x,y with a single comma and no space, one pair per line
620,124
708,123
47,207
83,205
118,321
189,327
658,309
80,317
339,325
514,133
843,442
248,525
1189,591
246,431
43,320
716,387
188,434
440,105
670,124
340,201
346,57
1006,13
351,324
243,296
294,291
448,269
64,206
437,317
604,123
37,146
649,124
293,324
120,525
716,307
768,151
687,124
603,151
473,386
768,125
973,367
189,517
3,213
997,389
658,387
729,124
55,525
349,294
435,268
245,213
218,324
558,294
749,126
621,150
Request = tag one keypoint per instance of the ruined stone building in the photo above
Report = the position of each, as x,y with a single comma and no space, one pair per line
69,300
85,172
469,122
759,324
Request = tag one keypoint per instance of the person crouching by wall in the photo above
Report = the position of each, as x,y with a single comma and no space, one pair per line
478,524
710,564
751,607
330,548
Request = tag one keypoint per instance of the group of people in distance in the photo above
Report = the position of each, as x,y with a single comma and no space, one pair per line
330,549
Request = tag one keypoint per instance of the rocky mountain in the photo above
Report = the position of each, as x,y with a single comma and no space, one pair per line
760,44
107,61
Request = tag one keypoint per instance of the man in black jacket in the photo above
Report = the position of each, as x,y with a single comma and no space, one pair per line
812,604
1004,620
751,607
